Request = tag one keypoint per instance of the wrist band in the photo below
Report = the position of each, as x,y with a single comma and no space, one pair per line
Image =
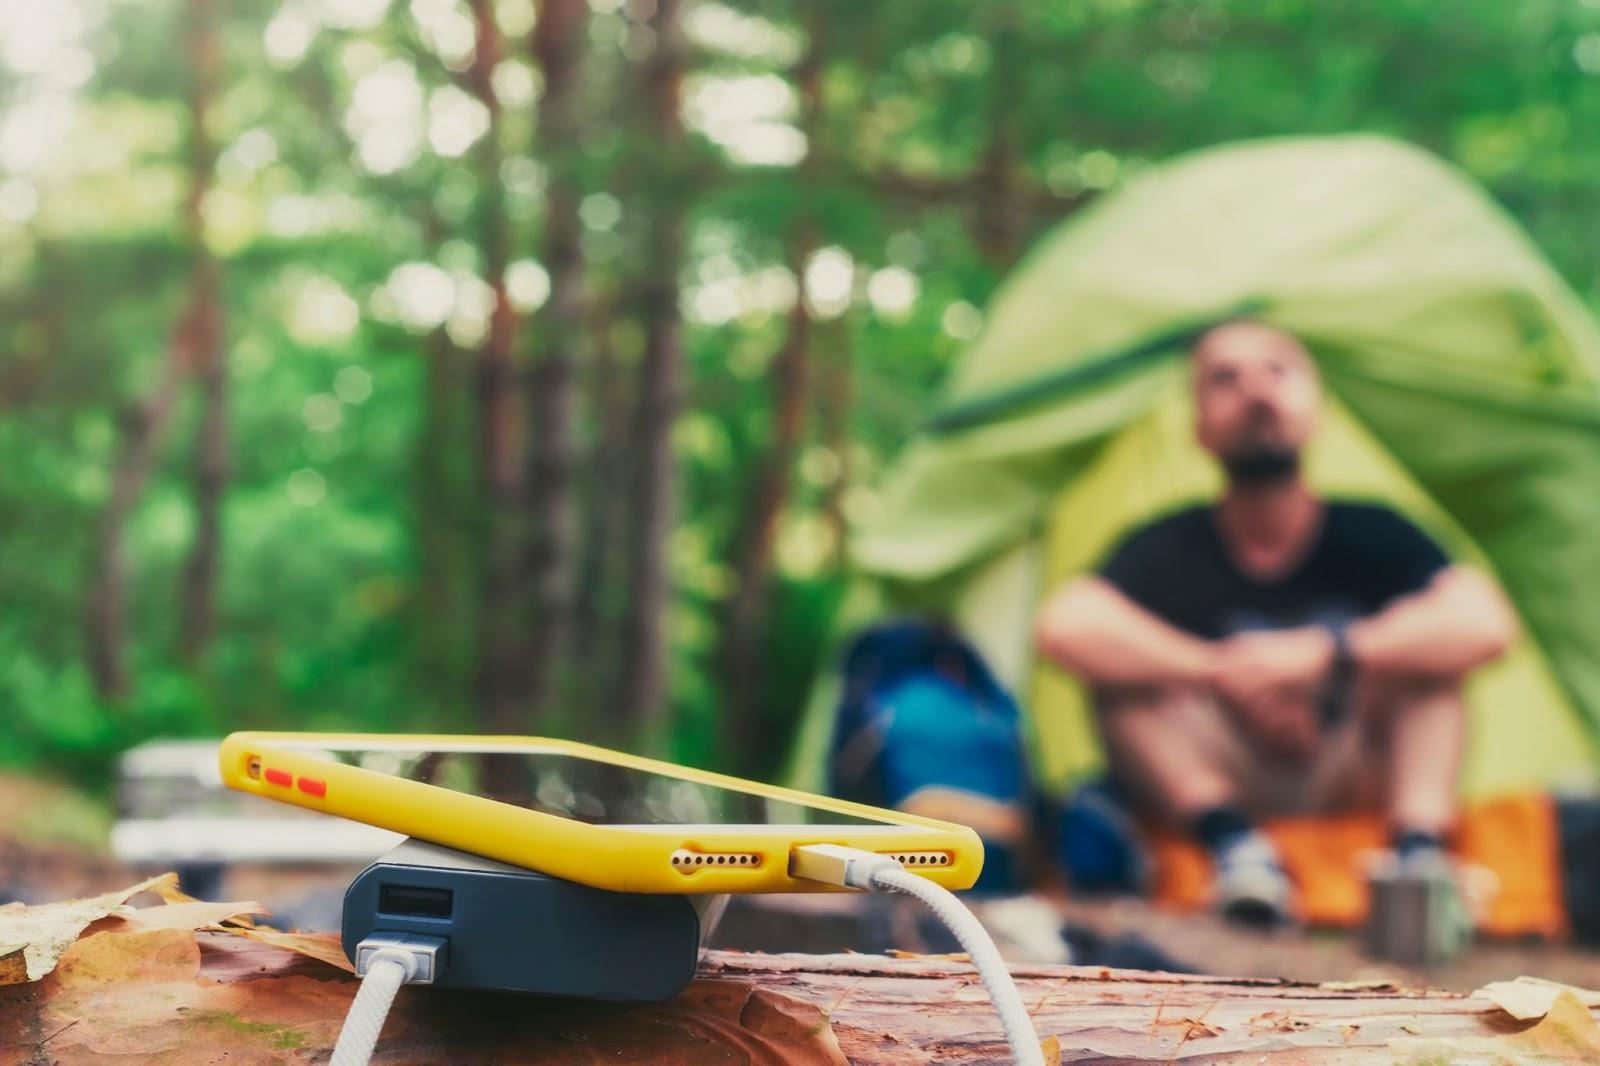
1341,674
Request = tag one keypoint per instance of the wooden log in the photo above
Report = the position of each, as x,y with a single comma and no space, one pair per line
173,996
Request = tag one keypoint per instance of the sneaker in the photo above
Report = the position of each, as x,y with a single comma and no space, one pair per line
1097,842
1026,929
1251,887
1425,863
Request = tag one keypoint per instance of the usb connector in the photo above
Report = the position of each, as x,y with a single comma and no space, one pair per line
835,864
421,958
384,962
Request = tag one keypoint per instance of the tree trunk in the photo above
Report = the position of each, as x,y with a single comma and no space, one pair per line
213,451
445,606
207,358
194,347
744,626
998,209
557,46
144,427
837,391
642,694
604,515
501,423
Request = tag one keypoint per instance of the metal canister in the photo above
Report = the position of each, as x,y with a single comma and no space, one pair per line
1417,913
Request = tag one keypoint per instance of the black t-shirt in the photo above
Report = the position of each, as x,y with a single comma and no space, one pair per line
1365,557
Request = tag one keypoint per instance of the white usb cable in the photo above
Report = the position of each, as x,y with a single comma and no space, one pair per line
384,961
853,868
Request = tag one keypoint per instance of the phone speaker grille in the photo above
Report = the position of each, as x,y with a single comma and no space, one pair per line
920,858
685,860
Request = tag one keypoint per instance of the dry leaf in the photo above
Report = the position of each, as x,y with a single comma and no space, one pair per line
1568,1035
130,995
13,964
1528,998
1051,1046
324,947
192,915
166,886
48,930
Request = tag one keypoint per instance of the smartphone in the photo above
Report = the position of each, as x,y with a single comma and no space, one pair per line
583,813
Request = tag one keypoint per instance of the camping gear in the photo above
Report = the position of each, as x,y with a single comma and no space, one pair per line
1517,838
920,713
1461,376
1578,819
1097,840
1417,917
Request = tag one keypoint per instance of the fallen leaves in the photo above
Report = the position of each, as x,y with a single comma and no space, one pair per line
324,947
13,964
192,915
39,935
135,995
34,938
1527,998
1567,1035
136,986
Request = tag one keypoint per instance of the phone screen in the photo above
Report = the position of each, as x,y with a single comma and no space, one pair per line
585,790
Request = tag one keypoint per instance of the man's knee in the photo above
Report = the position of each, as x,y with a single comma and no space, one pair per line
1111,700
1387,699
1168,716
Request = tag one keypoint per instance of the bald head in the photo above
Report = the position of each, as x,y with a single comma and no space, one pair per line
1257,398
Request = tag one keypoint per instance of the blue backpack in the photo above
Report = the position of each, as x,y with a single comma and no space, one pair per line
920,709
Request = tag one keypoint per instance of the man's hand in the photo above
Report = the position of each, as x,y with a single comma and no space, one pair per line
1286,726
1270,679
1254,666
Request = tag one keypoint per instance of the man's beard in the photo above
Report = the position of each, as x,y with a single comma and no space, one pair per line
1262,467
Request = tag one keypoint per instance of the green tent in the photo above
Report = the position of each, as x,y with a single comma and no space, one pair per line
1463,381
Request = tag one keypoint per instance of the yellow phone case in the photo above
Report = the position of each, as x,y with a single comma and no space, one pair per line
634,858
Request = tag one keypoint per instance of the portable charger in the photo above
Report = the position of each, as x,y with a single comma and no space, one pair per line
487,925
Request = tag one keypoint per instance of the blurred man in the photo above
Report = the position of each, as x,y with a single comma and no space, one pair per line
1276,652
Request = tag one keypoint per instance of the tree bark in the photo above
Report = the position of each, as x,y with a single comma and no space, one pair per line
642,689
143,428
604,515
500,417
194,345
557,46
866,1010
837,396
745,620
213,444
446,605
213,465
996,222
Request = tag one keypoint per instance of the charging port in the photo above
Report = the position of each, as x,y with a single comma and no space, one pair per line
411,901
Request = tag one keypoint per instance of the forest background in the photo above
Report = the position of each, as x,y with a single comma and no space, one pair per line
520,366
